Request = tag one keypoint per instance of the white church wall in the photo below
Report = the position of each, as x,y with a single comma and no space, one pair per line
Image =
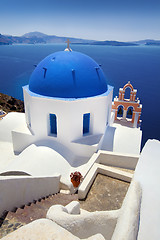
109,107
69,115
27,104
17,191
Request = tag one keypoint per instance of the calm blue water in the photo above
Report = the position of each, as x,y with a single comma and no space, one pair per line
140,65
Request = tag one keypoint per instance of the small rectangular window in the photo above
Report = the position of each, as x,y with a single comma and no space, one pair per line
86,123
53,124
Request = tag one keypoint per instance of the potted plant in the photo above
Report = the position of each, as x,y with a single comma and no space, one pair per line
76,178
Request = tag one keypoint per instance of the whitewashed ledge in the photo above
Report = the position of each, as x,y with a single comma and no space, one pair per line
44,229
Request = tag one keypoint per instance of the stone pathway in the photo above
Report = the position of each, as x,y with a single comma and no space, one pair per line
105,194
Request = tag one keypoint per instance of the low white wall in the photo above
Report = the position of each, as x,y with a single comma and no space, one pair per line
148,174
128,161
21,141
87,182
119,224
86,224
129,215
45,229
105,170
18,191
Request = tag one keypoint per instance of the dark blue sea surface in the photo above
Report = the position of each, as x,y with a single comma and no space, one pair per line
139,65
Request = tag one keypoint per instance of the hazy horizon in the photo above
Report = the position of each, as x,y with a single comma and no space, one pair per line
80,37
96,20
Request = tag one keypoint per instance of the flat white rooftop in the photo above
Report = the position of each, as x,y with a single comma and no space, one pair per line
122,139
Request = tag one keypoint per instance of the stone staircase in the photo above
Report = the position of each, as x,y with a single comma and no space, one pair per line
102,196
35,210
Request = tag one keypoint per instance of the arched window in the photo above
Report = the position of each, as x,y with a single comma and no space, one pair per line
127,93
53,124
86,123
129,113
120,111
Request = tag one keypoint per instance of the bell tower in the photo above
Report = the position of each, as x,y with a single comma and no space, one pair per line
127,109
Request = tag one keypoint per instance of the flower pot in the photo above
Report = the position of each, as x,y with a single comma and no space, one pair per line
75,183
76,178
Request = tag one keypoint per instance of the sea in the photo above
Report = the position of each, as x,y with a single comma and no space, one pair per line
138,64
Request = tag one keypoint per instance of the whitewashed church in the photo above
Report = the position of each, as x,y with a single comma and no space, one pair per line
67,104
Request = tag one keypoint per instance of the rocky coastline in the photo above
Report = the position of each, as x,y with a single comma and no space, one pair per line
10,104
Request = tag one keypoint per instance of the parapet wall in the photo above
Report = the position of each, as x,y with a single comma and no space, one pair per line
16,191
121,160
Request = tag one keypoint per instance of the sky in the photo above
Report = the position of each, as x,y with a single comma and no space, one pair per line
122,20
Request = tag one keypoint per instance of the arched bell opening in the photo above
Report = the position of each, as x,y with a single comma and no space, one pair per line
129,113
120,112
127,93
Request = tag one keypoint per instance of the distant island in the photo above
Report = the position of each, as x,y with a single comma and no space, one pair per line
111,43
38,37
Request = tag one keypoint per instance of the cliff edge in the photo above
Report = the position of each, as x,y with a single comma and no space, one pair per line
10,104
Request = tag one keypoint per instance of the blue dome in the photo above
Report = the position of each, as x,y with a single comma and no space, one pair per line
68,74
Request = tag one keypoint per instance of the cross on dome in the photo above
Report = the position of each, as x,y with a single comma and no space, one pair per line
68,42
68,47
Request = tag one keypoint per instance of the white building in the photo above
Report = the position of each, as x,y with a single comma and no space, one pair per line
67,105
